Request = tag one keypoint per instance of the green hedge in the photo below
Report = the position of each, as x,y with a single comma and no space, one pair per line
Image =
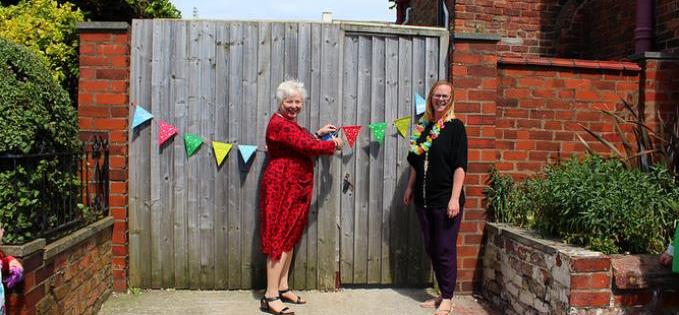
597,203
37,118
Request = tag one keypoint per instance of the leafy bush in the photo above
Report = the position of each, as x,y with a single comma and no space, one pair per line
47,29
597,203
37,118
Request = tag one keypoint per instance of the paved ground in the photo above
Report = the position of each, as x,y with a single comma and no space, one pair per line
348,301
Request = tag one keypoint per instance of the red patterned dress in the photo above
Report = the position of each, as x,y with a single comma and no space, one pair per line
287,184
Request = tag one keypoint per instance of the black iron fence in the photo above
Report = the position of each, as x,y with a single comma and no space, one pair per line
48,195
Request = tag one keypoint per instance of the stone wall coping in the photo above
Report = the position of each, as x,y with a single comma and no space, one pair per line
654,55
102,27
24,250
78,236
476,36
533,240
642,271
570,63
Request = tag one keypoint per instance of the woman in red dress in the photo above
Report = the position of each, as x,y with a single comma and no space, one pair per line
286,191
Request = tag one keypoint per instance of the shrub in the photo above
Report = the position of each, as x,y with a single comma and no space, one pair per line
597,203
47,29
37,118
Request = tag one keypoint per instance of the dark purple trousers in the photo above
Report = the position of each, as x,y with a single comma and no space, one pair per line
439,233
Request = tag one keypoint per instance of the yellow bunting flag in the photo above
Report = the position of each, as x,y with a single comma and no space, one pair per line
402,124
221,150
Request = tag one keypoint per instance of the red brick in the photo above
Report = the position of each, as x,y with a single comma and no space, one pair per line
111,99
112,74
85,123
580,281
94,61
110,124
94,37
119,250
112,49
589,264
85,98
119,213
589,298
94,111
635,298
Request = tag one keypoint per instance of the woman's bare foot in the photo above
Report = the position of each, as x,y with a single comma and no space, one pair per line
431,303
445,307
288,295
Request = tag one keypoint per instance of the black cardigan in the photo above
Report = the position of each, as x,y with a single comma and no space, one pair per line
447,153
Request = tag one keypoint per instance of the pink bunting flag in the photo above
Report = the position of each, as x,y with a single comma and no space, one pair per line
351,132
166,131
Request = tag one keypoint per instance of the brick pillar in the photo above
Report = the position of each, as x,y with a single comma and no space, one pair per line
659,90
474,77
103,93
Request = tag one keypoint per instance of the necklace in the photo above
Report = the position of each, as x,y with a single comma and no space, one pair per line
422,124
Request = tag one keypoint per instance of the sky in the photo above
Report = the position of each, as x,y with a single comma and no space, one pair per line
307,10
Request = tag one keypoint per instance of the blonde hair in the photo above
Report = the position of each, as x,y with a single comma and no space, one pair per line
429,111
289,88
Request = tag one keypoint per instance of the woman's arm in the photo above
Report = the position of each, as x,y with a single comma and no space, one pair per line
297,140
408,195
454,203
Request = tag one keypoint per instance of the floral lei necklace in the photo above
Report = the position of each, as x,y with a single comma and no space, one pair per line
422,124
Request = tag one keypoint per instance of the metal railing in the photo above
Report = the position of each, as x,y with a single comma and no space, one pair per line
65,191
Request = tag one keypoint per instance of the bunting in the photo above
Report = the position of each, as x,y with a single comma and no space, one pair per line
165,131
192,143
351,133
420,104
221,149
402,125
246,152
140,116
377,130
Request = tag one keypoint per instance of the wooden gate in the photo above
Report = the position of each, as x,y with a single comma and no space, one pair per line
196,225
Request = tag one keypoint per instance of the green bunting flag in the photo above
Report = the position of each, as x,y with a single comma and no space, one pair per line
192,143
377,130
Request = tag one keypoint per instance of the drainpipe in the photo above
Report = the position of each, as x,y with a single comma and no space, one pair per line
644,30
409,11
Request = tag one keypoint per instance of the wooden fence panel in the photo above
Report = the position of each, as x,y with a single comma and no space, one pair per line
195,225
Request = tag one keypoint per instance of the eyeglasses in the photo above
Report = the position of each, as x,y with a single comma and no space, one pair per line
441,96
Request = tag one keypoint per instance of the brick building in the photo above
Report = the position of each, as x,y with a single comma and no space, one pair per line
528,73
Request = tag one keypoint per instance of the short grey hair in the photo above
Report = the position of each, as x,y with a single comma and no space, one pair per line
288,88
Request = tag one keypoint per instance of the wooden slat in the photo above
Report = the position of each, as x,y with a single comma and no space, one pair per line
179,85
402,215
192,165
415,245
205,158
235,124
360,155
313,85
349,104
327,224
391,199
376,156
248,179
221,133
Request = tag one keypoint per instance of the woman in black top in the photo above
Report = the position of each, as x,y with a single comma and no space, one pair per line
438,160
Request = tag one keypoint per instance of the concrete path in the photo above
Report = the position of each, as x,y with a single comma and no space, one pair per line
347,301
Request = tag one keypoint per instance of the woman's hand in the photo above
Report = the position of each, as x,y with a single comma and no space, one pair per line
408,196
665,259
326,130
338,143
453,207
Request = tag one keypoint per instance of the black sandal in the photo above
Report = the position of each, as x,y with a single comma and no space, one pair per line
288,300
264,306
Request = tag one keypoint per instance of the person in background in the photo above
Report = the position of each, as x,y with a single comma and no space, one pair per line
438,160
286,191
11,272
666,258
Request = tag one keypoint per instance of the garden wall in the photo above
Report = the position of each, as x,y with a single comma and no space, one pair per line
525,274
69,276
541,103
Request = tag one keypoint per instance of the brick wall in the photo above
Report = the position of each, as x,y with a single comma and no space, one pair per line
103,107
667,25
474,69
602,29
541,101
524,274
70,276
